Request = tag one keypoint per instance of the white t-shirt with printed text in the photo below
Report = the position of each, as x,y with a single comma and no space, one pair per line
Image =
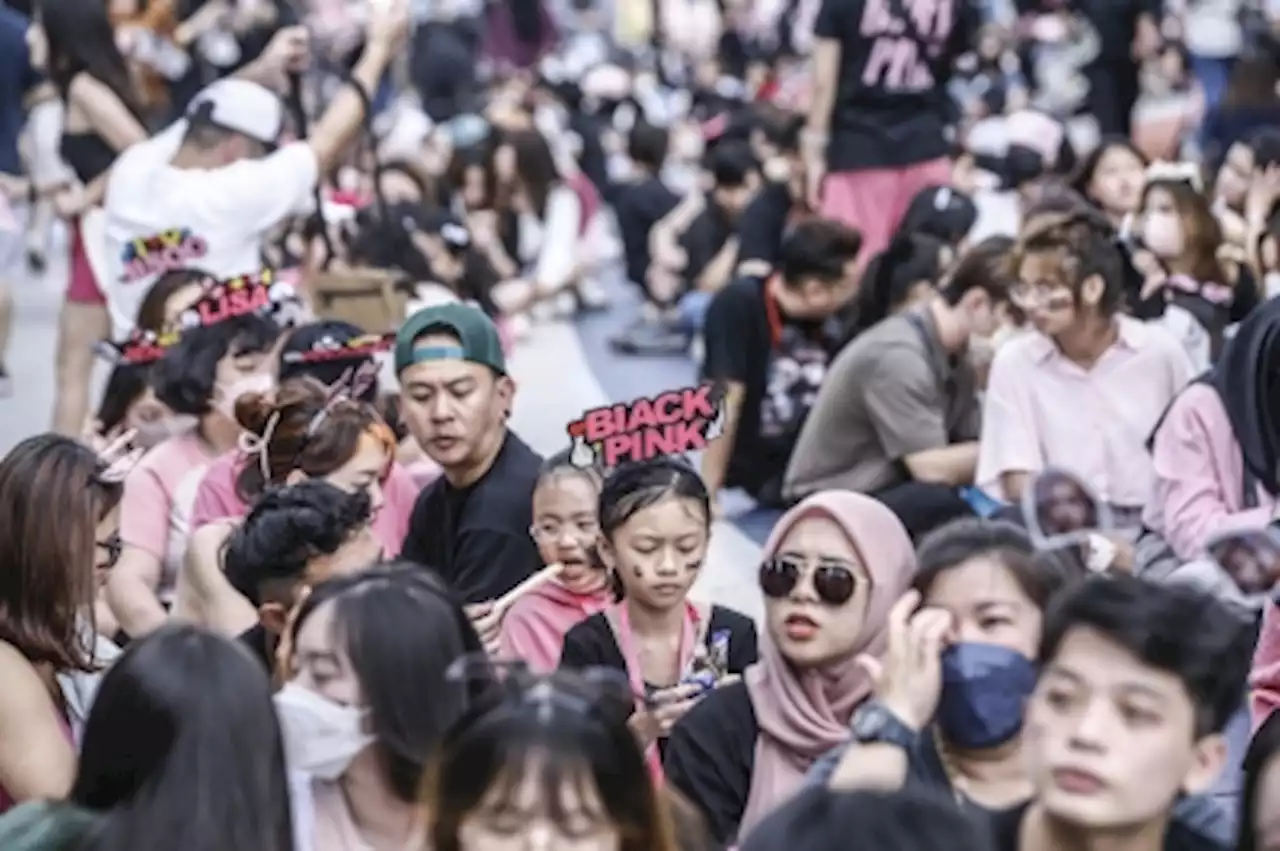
159,218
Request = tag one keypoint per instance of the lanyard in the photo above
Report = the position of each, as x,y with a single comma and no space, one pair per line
626,645
621,619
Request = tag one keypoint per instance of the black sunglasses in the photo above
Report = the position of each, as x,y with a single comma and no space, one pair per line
835,583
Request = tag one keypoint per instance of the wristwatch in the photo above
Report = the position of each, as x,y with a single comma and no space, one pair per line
873,722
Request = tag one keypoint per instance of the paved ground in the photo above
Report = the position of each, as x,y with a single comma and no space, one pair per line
30,354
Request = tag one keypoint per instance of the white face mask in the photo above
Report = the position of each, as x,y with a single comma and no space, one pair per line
259,382
1162,234
321,737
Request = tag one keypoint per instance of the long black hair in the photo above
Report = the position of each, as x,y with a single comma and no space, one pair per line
81,39
182,750
402,629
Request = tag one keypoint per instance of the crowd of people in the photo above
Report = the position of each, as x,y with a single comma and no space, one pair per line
983,300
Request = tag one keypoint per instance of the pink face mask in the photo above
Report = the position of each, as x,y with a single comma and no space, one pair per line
1162,234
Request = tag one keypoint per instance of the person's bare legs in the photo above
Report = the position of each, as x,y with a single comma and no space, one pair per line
79,327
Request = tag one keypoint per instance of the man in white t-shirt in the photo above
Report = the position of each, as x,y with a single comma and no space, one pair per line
205,192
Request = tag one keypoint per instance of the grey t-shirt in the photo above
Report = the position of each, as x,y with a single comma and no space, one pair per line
892,392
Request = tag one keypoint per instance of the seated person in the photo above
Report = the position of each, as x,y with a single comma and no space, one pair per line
898,278
770,340
1214,469
643,199
781,197
1085,389
294,538
694,251
1136,685
897,416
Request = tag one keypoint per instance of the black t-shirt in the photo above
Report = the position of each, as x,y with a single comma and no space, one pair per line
1006,827
478,537
703,239
638,207
261,644
891,104
780,363
591,644
710,756
762,223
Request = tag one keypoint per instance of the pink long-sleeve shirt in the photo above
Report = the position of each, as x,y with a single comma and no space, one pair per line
1264,676
1199,476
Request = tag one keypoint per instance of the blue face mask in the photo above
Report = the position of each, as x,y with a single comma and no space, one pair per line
984,689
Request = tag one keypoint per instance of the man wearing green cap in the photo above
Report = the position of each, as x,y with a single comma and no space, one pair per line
471,524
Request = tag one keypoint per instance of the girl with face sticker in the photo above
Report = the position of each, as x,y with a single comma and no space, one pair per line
367,703
655,522
565,527
833,568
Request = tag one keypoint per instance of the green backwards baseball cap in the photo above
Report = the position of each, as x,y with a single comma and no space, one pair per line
478,339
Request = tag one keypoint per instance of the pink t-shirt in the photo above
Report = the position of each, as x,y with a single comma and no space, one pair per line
1199,476
155,512
216,499
534,627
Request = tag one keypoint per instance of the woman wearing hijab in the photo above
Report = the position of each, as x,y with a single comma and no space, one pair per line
833,568
1216,454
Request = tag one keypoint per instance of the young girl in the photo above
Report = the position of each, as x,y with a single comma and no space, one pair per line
565,526
53,496
1180,238
655,524
201,376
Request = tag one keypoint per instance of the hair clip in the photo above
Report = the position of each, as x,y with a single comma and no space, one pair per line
353,384
259,445
330,348
141,347
585,692
117,459
1162,170
261,292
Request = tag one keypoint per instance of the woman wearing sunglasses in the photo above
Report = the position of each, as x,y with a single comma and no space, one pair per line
655,524
834,566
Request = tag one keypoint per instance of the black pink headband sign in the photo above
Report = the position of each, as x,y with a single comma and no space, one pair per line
329,348
142,347
671,423
240,296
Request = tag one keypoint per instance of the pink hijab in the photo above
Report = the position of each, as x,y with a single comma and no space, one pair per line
805,713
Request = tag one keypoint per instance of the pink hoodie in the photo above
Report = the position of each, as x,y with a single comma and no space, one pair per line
534,627
1264,677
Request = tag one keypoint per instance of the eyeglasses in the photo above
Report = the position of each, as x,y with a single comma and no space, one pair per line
551,530
113,546
1033,295
835,583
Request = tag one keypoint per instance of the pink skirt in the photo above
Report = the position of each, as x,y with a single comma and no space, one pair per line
874,200
82,286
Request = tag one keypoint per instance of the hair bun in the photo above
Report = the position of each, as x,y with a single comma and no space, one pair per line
253,410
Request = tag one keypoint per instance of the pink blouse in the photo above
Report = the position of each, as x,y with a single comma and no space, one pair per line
1199,476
